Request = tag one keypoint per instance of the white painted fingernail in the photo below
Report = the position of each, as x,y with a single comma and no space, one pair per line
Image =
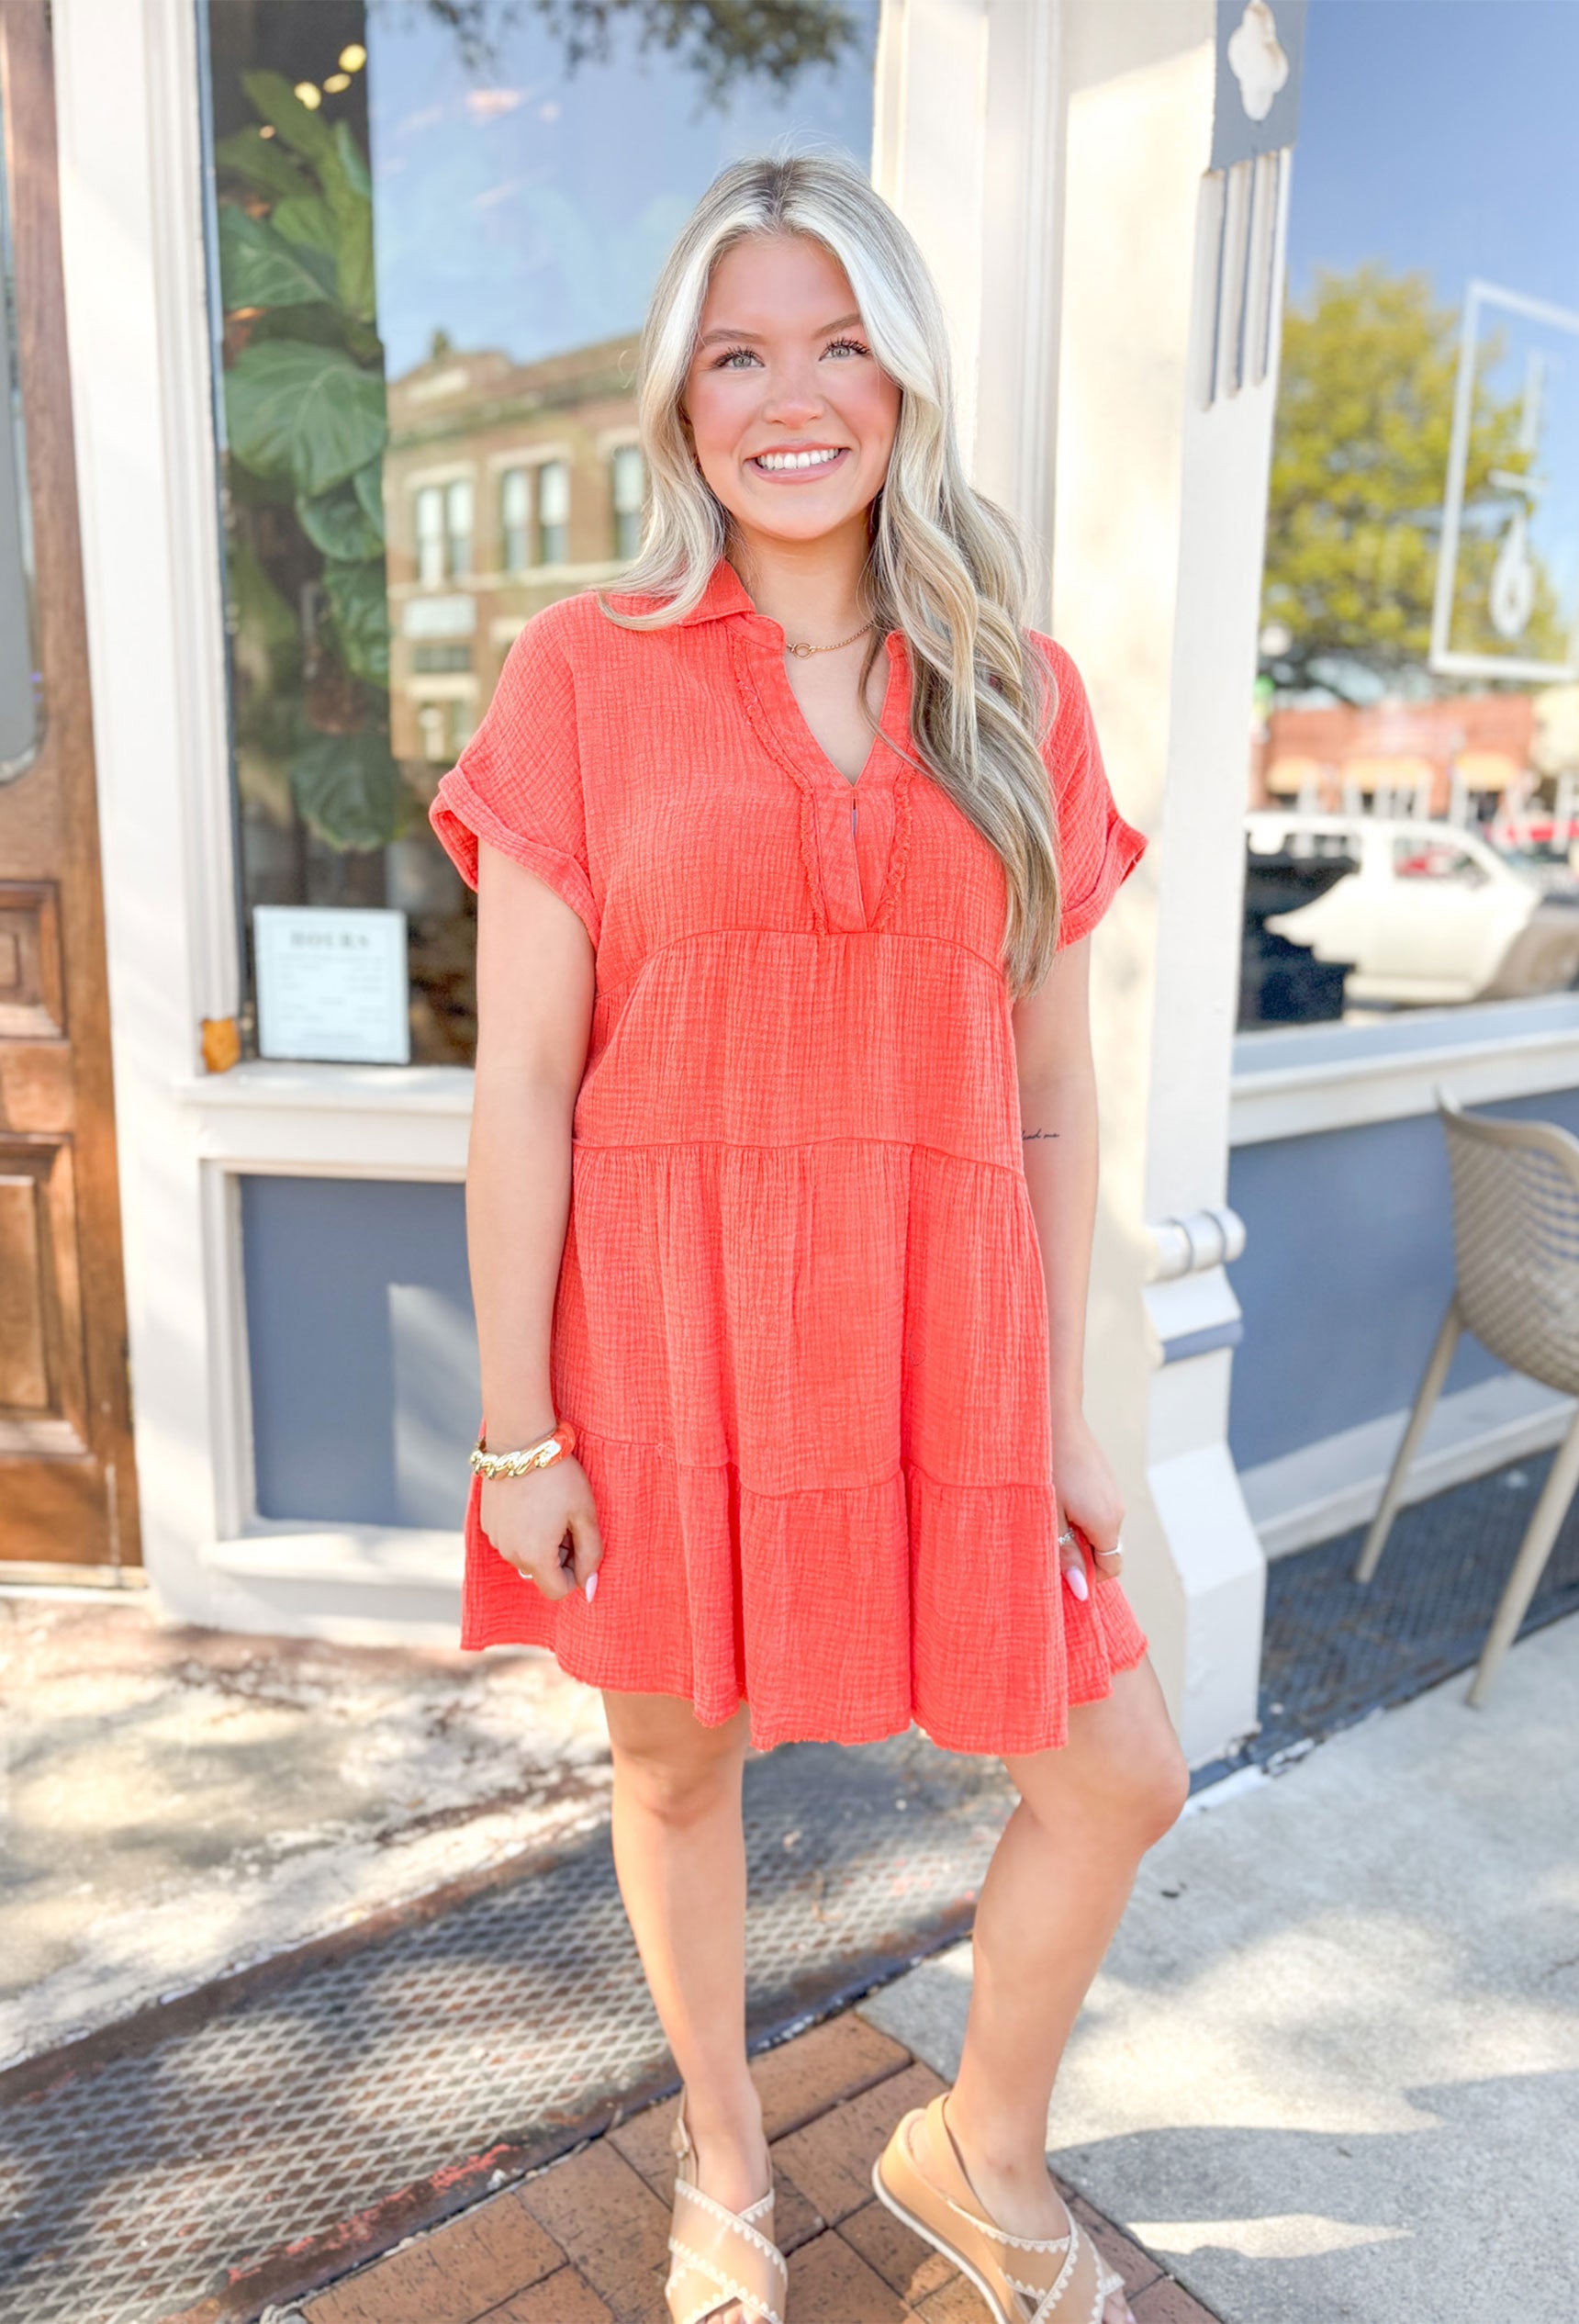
591,1588
1079,1586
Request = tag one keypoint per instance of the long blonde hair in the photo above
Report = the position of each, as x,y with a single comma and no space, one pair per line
945,564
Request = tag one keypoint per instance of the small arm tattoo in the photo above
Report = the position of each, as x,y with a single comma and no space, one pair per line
1038,1133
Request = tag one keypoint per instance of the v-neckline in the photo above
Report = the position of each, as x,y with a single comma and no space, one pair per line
794,728
830,799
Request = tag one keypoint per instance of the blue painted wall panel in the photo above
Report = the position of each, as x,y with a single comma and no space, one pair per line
1346,1269
363,1358
363,1348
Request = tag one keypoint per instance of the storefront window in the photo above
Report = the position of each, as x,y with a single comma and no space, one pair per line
1412,838
435,230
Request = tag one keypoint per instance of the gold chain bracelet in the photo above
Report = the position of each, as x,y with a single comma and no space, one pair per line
560,1439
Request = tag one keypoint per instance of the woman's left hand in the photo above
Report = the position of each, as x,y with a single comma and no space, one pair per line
1089,1503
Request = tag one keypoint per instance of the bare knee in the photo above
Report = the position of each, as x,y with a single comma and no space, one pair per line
1157,1785
668,1766
1136,1793
1122,1772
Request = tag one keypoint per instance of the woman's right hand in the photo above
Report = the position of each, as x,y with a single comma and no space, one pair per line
545,1525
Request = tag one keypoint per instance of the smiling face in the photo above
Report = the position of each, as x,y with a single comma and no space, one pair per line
792,415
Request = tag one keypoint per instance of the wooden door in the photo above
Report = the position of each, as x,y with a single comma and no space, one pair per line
67,1483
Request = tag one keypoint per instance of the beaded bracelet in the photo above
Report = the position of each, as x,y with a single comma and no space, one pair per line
548,1448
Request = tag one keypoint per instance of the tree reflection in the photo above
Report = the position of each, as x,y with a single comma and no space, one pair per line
723,41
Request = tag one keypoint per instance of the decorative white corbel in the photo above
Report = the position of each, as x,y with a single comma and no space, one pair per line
1192,1244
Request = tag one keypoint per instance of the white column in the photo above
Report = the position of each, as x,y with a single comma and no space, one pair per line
966,148
929,156
127,101
1159,495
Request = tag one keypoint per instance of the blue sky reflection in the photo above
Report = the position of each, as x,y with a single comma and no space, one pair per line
531,209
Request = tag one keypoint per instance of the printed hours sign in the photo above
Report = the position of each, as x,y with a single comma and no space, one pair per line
331,985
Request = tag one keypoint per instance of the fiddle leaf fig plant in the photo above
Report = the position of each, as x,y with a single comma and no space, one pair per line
306,426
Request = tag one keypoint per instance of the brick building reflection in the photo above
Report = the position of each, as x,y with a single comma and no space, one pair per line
507,486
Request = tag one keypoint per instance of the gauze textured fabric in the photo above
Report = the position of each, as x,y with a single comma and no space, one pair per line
801,1324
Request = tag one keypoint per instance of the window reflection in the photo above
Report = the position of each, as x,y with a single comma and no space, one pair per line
1419,678
553,512
436,230
515,519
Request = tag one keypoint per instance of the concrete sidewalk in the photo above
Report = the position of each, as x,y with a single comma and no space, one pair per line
1331,2068
178,1803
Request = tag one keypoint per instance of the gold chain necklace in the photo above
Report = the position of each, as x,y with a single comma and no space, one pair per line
834,649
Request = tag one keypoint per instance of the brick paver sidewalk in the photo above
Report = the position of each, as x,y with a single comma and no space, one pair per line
585,2240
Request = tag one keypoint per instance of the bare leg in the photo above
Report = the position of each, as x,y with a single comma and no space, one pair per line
679,1851
1054,1894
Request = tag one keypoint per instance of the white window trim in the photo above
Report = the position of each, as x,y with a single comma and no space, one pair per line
443,473
562,578
452,585
1482,1052
404,1124
533,456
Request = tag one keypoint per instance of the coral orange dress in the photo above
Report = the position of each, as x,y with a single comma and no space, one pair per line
801,1324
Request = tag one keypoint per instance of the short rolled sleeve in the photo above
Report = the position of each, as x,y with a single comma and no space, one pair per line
1097,850
518,782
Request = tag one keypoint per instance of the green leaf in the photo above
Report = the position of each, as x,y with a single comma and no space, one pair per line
353,161
326,323
263,161
303,411
350,791
347,193
276,101
306,218
358,598
369,483
342,171
337,523
257,607
260,268
323,323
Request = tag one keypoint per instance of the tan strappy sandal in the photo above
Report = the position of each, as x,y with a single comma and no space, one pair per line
1023,2279
721,2255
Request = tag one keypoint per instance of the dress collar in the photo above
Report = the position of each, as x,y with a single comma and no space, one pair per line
726,593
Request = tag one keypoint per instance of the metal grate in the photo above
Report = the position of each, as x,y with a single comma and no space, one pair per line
383,2088
1334,1652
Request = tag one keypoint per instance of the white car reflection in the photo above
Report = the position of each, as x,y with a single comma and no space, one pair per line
1431,913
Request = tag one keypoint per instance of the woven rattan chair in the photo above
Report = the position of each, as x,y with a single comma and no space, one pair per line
1516,1243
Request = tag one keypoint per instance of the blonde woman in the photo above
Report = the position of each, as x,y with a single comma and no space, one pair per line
781,1189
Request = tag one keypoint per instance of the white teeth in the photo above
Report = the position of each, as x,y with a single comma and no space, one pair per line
797,459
